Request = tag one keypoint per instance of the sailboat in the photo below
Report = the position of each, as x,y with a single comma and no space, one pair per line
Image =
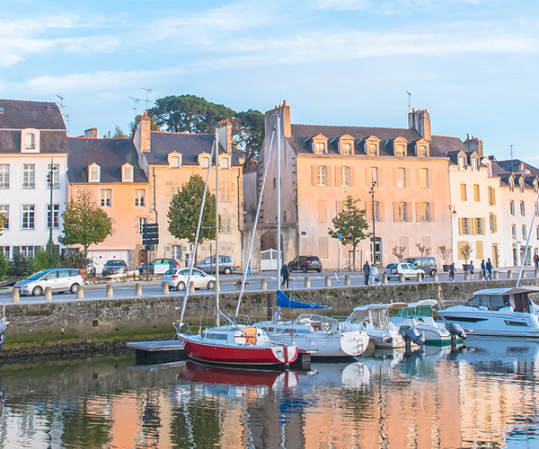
231,344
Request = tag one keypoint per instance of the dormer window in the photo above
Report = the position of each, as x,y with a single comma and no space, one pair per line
320,148
475,163
512,185
521,184
422,148
127,173
346,149
535,186
204,161
462,162
372,146
175,160
224,162
29,141
399,147
346,145
320,144
94,173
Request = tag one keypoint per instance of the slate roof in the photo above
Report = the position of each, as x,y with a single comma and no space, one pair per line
109,154
189,145
17,114
513,165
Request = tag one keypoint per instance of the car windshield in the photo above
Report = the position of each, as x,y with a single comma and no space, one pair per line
114,263
36,275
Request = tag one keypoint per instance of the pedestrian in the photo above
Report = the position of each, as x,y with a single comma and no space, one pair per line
373,275
489,269
536,261
366,272
187,259
483,273
249,269
452,272
285,273
471,270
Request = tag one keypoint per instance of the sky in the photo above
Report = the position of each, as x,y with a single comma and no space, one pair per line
473,64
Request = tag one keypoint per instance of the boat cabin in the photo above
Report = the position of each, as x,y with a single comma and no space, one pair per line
517,298
375,316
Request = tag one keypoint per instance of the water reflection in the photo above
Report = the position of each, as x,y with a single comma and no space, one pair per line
483,395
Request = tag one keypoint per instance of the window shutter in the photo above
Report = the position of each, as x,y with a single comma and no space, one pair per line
461,226
395,212
329,176
352,183
338,176
313,175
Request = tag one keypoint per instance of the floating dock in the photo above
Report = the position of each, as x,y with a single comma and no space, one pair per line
153,352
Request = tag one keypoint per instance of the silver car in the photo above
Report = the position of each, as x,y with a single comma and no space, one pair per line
226,265
177,278
409,270
58,279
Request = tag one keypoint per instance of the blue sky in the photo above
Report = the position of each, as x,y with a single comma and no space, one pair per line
472,63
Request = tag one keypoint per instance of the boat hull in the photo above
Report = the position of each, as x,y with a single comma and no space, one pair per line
238,355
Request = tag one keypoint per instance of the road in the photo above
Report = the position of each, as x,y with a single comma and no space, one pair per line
228,285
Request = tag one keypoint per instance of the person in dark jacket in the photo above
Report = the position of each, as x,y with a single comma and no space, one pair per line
366,272
285,273
452,272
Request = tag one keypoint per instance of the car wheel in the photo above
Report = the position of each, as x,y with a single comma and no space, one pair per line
304,269
211,285
432,273
319,270
74,288
37,291
227,270
181,286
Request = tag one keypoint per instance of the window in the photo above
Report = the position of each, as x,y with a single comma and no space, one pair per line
175,162
321,177
399,150
28,216
127,173
423,177
55,175
4,211
27,251
491,196
475,163
424,211
463,194
524,233
204,162
141,223
30,141
493,223
344,174
422,151
511,185
478,226
106,198
476,196
6,250
55,216
372,149
373,176
320,148
226,225
464,226
512,207
176,252
522,208
140,197
521,184
225,191
28,176
94,173
401,177
377,214
346,148
4,176
225,163
462,163
402,211
514,231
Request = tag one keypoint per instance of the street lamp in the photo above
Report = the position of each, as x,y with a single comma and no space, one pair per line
371,191
50,180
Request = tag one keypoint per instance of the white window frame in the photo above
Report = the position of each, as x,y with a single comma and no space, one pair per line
321,175
4,209
345,176
28,222
401,178
140,197
127,173
55,216
94,173
105,196
424,178
141,223
28,176
4,176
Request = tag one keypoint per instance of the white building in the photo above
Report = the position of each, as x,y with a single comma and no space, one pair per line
32,141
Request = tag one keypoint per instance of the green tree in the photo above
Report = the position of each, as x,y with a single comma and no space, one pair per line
4,266
351,225
185,208
3,220
248,133
85,223
133,125
117,134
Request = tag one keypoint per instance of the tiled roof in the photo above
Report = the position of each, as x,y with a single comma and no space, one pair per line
50,142
109,154
16,114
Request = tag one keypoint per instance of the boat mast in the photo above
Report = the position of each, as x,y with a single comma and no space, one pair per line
535,211
280,260
217,286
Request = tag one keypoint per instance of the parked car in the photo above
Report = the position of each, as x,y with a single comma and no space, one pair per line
226,265
157,266
114,266
58,279
177,278
426,263
305,263
409,270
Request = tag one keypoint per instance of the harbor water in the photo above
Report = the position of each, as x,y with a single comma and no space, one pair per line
485,395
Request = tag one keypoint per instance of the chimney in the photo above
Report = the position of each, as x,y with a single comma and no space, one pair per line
225,138
91,133
420,122
474,144
145,144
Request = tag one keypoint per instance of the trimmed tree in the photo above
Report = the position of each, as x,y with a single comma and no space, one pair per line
184,210
351,225
85,223
3,220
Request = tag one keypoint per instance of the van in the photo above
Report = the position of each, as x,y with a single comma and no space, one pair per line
426,263
58,279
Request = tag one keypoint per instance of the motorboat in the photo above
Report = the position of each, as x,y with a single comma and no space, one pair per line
374,319
420,316
318,335
504,312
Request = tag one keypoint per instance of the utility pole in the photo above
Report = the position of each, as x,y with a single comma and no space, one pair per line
371,191
50,180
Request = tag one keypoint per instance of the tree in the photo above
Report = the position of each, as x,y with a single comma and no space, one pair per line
466,251
85,223
3,220
423,249
184,211
398,252
135,122
351,225
117,134
445,253
248,133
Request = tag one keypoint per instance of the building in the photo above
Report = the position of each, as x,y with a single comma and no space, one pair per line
32,148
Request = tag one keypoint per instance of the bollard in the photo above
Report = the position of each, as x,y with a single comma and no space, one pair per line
307,282
347,280
109,293
164,286
401,277
496,275
466,275
192,287
264,283
509,274
328,281
80,292
385,279
15,297
435,277
419,277
48,294
138,289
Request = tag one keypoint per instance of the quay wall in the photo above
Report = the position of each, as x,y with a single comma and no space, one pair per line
90,317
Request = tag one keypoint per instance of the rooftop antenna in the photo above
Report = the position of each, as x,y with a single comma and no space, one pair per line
511,152
61,103
136,100
147,100
67,119
409,97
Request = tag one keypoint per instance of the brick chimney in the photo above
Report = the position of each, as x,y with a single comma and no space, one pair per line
420,121
144,129
91,133
474,144
225,135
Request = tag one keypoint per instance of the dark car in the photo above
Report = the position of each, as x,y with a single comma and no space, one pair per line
158,266
226,265
305,263
426,263
114,266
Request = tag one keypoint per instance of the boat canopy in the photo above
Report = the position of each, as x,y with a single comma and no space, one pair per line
285,301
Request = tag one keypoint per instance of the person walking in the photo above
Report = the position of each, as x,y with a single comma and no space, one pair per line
536,261
483,273
452,272
187,260
373,275
489,269
471,270
366,272
285,273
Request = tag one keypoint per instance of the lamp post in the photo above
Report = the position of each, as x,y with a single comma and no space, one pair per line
50,180
371,191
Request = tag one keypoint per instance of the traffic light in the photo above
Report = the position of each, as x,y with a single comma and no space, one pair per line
49,178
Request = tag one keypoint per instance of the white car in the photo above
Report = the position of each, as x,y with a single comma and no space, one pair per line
409,270
58,279
177,278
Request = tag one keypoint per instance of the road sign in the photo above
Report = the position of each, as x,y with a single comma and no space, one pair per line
150,234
